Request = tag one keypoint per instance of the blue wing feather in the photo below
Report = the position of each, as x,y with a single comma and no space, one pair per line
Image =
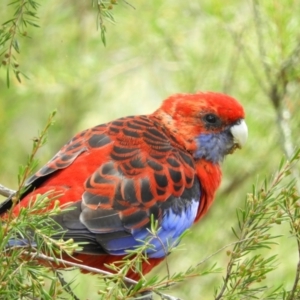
173,225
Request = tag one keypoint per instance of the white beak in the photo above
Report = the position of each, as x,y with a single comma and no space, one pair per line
239,133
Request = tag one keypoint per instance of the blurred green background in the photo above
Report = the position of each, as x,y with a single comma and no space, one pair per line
158,48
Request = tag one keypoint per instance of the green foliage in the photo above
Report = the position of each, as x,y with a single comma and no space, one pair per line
247,49
25,16
32,162
22,276
104,11
265,208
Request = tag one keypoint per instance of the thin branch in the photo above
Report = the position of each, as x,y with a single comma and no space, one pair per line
254,222
231,70
293,213
129,4
36,255
24,16
260,41
290,61
284,117
6,192
221,249
73,264
249,63
165,296
297,277
65,285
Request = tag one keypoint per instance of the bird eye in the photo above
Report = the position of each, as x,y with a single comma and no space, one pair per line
211,118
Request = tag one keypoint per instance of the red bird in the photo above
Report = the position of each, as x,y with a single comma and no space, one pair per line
116,175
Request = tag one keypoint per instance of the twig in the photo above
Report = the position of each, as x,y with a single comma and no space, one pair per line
6,192
231,70
297,277
283,117
77,265
249,63
293,213
260,41
129,4
92,270
65,285
166,297
13,31
221,249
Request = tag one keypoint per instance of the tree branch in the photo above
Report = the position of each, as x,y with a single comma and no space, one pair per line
36,255
6,192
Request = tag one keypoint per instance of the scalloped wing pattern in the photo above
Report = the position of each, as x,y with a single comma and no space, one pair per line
139,170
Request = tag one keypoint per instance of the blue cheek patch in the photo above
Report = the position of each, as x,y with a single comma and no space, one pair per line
213,146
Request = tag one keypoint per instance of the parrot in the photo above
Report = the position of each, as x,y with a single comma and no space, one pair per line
117,176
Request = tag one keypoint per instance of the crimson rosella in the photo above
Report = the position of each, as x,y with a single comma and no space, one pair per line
116,175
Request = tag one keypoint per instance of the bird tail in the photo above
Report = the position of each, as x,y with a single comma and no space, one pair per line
20,243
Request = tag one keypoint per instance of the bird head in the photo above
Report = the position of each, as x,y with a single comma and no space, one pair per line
208,125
